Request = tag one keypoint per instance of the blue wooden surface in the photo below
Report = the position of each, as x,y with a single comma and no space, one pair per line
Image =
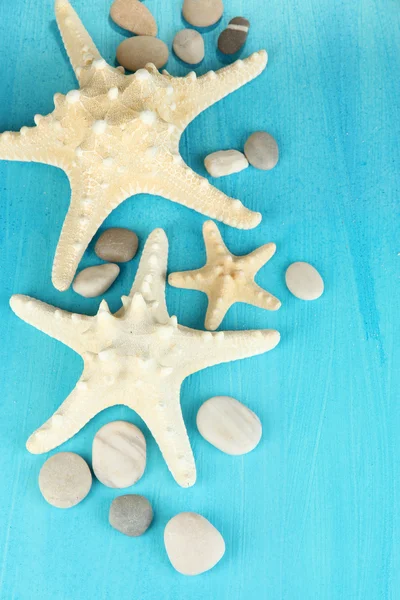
312,513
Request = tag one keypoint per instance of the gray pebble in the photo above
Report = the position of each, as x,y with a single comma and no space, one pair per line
188,45
233,38
262,151
134,53
202,13
131,514
94,281
117,245
65,480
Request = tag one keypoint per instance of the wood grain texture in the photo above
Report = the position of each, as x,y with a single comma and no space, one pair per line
312,513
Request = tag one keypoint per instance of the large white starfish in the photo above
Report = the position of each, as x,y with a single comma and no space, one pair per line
118,135
138,357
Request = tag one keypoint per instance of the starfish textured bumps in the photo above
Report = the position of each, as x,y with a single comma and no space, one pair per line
138,357
227,278
118,135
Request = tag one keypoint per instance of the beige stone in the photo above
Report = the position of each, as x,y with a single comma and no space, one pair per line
65,479
202,13
133,16
304,281
117,245
136,52
188,45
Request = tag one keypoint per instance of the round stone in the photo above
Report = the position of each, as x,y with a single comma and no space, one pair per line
94,281
133,16
304,281
188,45
233,38
131,514
262,151
193,545
202,13
225,162
117,245
119,454
134,53
65,480
229,425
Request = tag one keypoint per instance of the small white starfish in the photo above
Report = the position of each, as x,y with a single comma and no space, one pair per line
138,357
227,278
118,135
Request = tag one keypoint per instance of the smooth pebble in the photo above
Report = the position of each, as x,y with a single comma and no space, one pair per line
262,151
117,245
133,16
229,425
119,454
304,281
188,45
233,38
202,13
193,545
225,162
134,53
65,480
94,281
131,514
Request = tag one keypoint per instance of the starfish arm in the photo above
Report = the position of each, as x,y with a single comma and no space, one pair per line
59,324
187,280
151,274
259,257
213,86
257,296
182,185
225,346
165,421
31,144
78,44
216,311
76,410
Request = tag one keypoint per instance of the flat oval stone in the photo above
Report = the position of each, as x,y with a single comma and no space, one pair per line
94,281
119,454
225,162
65,480
304,281
135,52
133,16
117,245
262,151
193,545
188,45
202,13
131,514
233,38
229,425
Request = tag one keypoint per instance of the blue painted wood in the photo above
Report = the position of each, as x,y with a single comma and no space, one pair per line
312,513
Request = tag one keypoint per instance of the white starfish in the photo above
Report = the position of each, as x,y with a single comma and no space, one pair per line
227,278
118,135
138,357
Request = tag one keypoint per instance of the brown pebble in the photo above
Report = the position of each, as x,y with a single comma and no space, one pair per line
202,13
136,52
233,38
117,245
133,16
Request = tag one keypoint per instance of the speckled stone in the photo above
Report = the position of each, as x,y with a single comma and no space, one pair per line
134,53
229,425
193,545
202,13
188,45
133,16
117,245
119,454
94,281
225,162
233,38
304,281
65,480
262,151
131,514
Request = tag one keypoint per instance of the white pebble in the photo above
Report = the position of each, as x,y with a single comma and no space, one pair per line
229,425
225,162
119,454
94,281
193,545
304,281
